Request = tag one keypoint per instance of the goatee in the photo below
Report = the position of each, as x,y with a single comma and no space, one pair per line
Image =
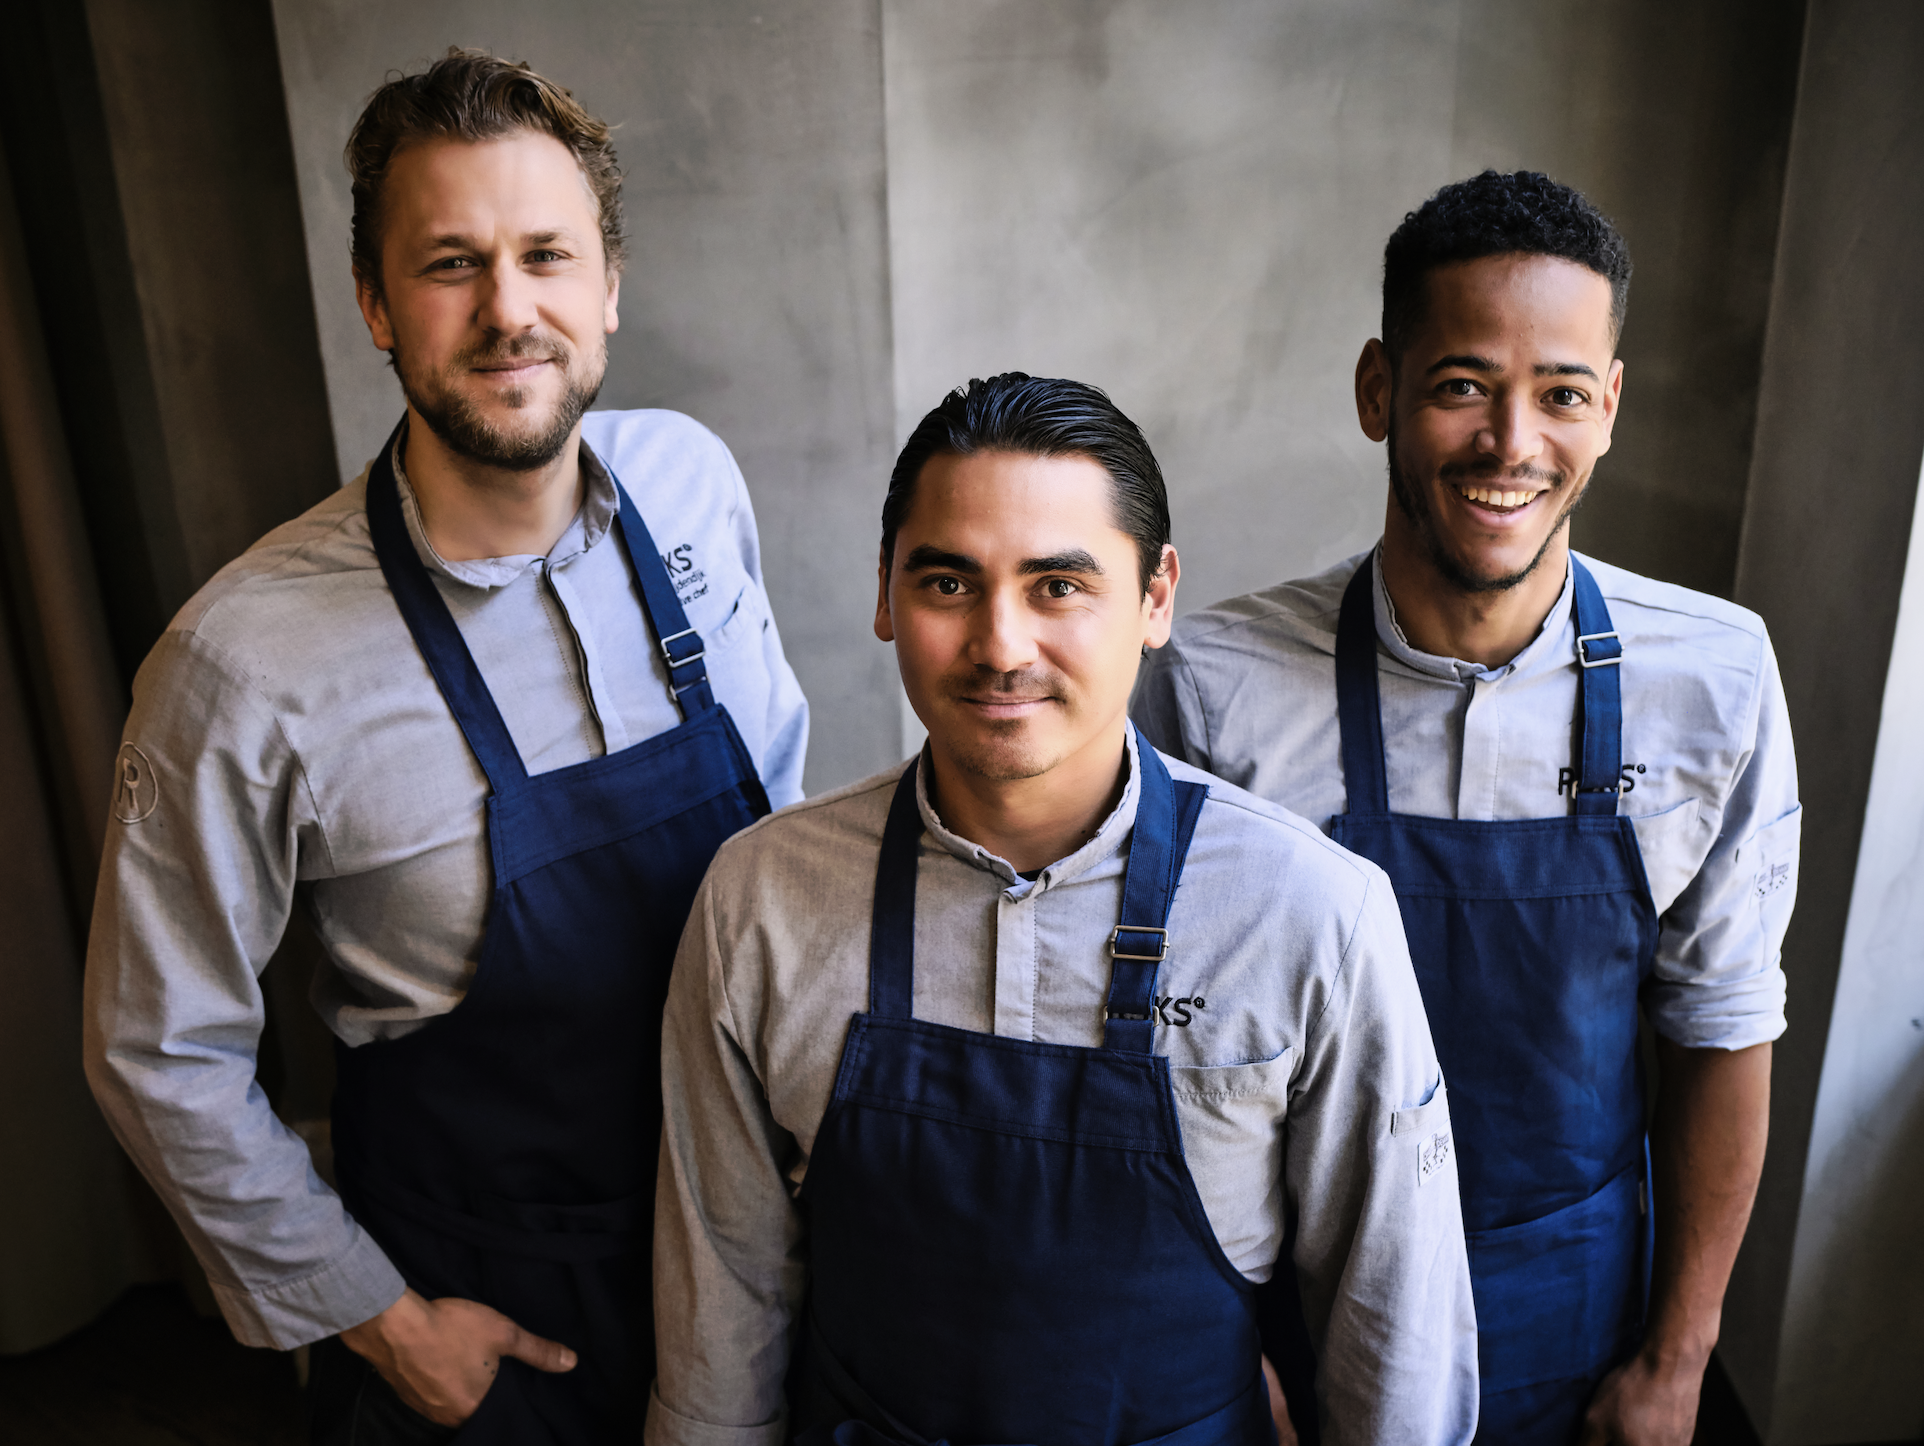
1414,503
466,429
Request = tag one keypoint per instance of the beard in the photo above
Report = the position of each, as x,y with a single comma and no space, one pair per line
1414,503
468,431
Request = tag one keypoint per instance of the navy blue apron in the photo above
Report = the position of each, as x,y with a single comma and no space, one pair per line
1531,939
1005,1244
506,1152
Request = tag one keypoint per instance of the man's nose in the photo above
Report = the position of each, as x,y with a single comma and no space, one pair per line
505,303
1510,434
1003,640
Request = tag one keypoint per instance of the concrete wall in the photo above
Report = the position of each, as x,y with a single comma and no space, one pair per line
1822,1330
756,297
1850,1363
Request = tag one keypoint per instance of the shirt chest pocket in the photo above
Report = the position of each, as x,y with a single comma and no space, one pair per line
742,619
1673,844
1232,1118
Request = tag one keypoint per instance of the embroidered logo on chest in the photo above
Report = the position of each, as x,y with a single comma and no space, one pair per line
690,581
1171,1010
1434,1155
1567,779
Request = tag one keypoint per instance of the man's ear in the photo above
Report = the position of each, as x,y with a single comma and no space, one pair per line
1159,602
1373,383
374,313
1612,399
884,622
611,309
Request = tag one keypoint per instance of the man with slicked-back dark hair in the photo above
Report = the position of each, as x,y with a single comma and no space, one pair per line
483,716
989,1082
1580,782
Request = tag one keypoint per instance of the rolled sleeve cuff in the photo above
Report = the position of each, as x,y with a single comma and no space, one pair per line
671,1428
1728,1014
356,1287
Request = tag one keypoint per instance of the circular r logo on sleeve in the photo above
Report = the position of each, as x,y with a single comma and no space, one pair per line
136,790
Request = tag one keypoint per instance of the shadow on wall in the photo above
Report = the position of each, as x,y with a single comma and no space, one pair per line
1862,1220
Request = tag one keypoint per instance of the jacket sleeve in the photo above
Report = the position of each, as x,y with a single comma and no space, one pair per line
1168,709
193,897
786,728
1371,1176
1718,979
729,1264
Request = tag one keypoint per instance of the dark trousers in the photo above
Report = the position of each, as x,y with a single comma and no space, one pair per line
351,1405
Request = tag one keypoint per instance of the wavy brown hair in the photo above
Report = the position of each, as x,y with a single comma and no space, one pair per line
470,95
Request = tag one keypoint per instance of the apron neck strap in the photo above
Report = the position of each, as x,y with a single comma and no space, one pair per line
1599,697
448,658
426,613
1359,713
1166,815
891,939
681,646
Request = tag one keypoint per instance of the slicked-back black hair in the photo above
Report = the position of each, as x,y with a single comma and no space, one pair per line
1496,214
1040,417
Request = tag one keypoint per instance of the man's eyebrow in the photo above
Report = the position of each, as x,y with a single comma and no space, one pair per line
458,241
1074,560
1564,369
923,558
1465,360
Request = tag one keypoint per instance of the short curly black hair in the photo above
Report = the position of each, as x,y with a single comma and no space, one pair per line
1495,214
1040,417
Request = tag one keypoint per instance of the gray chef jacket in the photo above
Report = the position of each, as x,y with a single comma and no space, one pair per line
1247,689
1288,1011
288,746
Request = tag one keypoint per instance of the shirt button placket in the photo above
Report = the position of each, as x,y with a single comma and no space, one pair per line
1015,963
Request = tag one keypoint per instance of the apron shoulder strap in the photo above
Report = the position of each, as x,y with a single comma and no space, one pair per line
1599,697
891,939
681,646
1359,712
1166,815
426,614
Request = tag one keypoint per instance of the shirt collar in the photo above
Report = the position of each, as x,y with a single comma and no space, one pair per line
1542,647
1106,840
588,526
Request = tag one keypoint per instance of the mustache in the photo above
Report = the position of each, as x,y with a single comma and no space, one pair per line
1023,683
518,348
1486,471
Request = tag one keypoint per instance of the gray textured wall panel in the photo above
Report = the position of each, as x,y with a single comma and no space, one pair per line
1832,495
756,297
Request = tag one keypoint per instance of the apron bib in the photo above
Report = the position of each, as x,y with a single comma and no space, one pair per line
1531,939
504,1152
1005,1242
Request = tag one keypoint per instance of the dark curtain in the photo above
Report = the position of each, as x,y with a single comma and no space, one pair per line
70,1236
161,405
